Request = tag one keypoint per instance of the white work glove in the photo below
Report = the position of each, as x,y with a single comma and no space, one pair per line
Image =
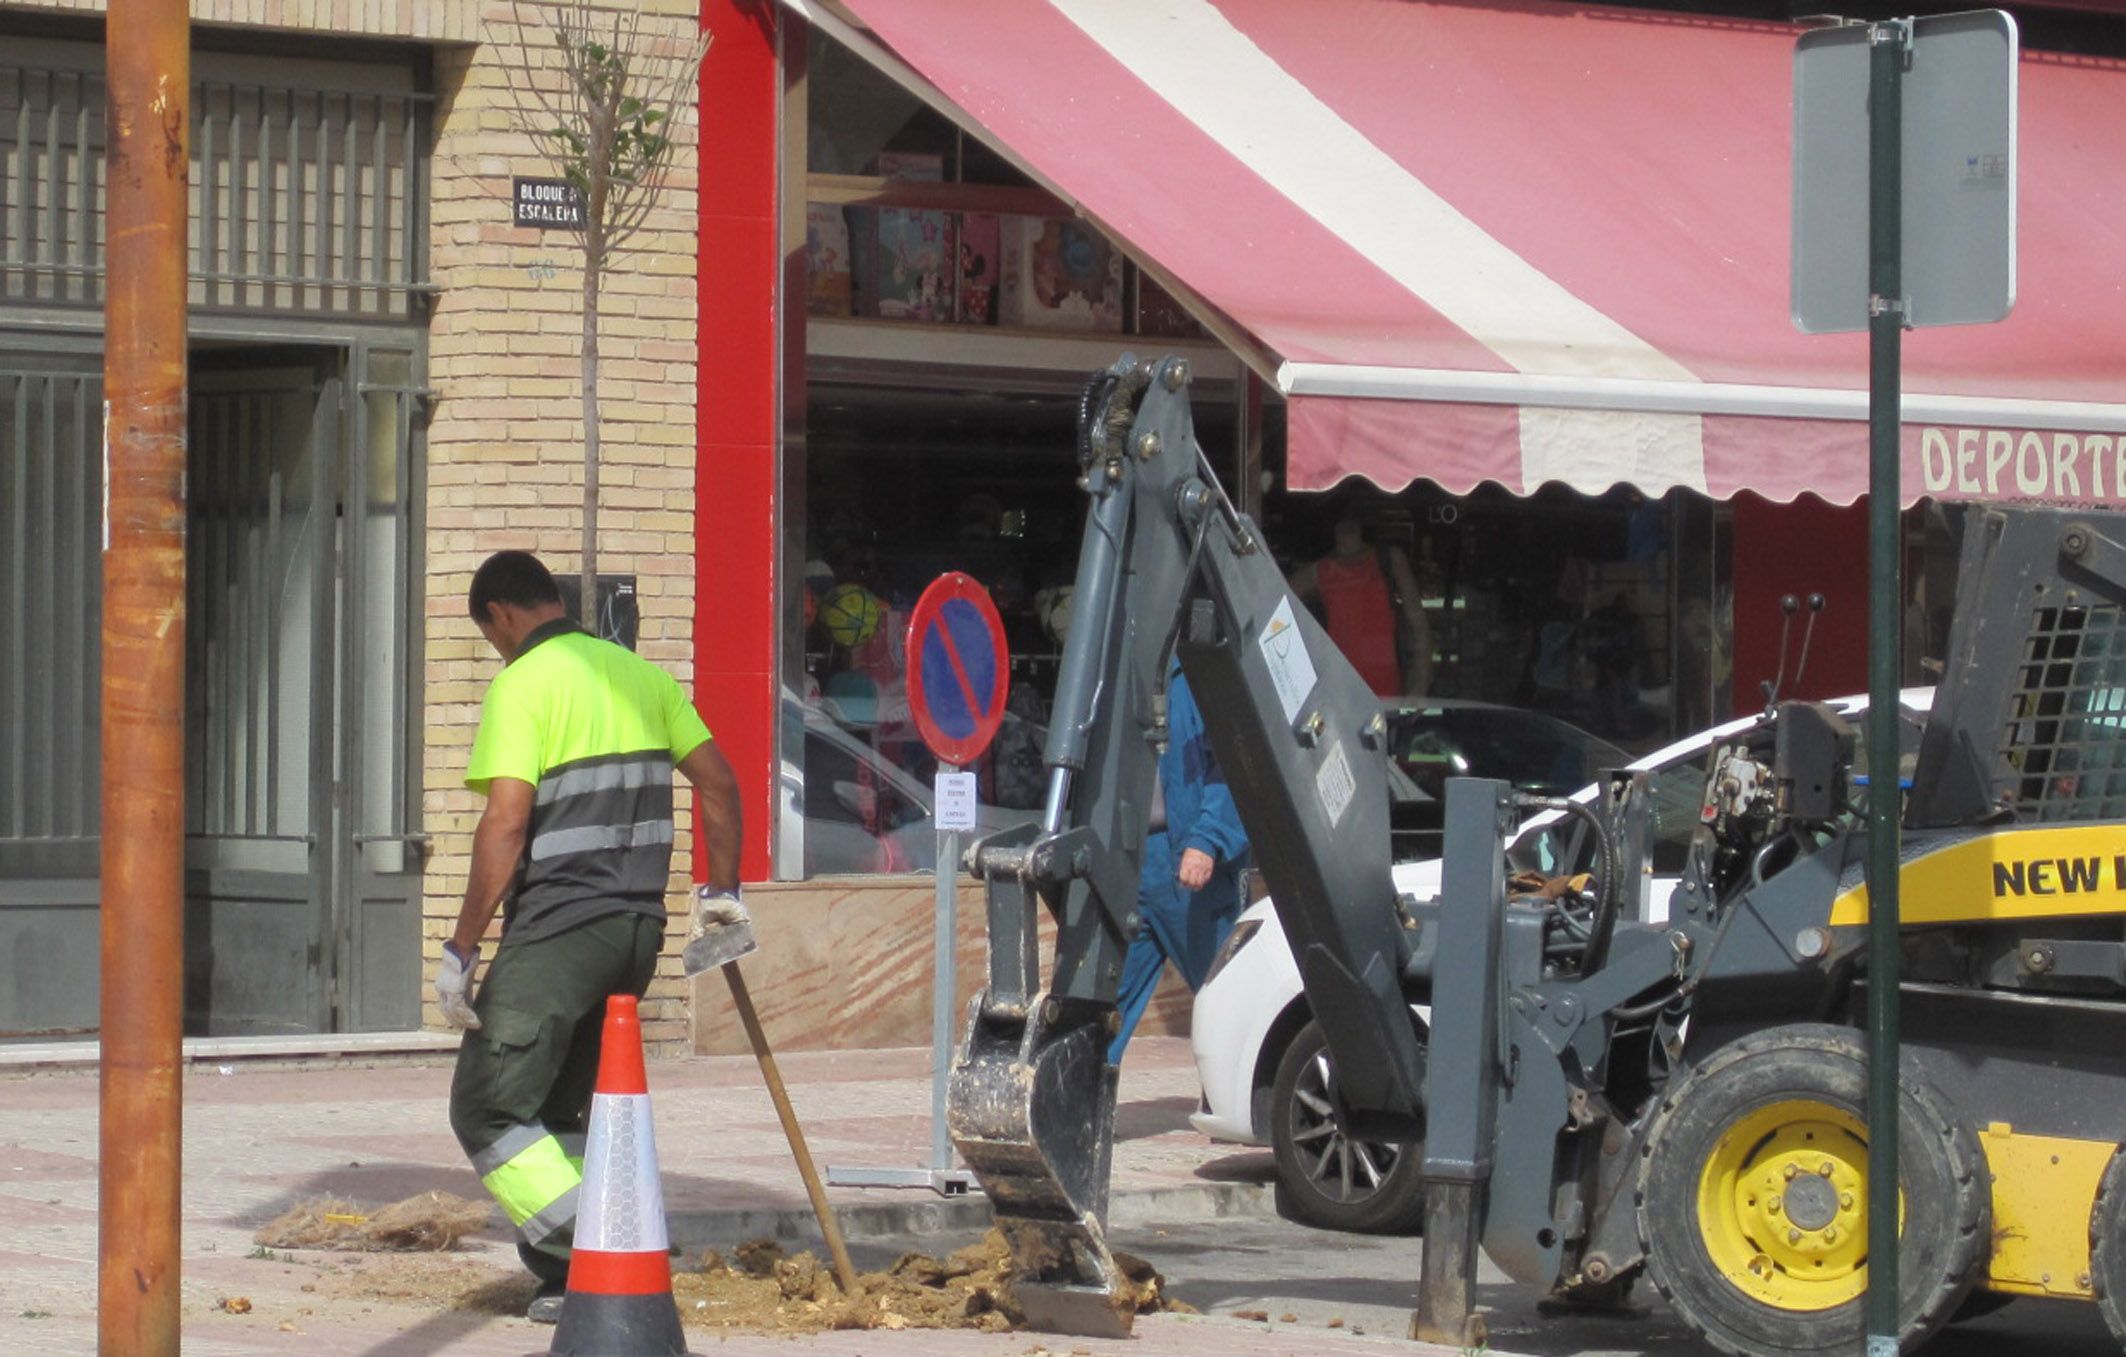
714,908
454,986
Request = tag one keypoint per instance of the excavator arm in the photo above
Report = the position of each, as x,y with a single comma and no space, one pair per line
1169,569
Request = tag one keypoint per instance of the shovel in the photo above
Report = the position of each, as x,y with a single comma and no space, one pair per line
718,948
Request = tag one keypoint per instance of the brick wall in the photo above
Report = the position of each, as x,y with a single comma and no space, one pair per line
424,20
505,453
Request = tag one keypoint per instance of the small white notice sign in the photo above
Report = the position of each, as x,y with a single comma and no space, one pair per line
1334,783
955,800
1291,668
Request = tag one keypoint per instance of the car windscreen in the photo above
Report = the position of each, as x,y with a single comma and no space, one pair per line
1532,751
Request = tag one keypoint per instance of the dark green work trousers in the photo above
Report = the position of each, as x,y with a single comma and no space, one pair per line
521,1099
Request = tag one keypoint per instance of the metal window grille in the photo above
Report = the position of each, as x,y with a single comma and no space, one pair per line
303,201
2066,733
51,511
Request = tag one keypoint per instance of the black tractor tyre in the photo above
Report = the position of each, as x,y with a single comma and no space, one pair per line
1741,1089
1324,1178
2107,1247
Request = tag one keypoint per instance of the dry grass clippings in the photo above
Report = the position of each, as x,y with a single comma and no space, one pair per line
428,1223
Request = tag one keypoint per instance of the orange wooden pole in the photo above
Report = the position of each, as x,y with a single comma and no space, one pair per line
147,148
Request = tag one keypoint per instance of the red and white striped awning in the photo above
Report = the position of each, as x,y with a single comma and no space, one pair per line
1525,242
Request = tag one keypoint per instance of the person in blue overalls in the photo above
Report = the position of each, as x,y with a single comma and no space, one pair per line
1189,892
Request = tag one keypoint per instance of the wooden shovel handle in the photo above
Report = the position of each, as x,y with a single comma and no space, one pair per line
844,1272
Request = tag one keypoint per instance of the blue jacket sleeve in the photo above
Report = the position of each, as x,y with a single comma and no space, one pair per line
1217,829
1205,817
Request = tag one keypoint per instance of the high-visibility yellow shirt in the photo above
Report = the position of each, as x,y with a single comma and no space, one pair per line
596,730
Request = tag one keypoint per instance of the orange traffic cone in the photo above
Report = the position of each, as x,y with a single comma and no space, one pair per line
619,1301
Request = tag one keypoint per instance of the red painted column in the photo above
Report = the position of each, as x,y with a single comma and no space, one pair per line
738,405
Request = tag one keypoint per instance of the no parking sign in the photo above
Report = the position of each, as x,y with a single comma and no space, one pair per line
958,678
958,668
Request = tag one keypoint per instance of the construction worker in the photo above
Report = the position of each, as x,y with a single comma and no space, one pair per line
577,741
1188,892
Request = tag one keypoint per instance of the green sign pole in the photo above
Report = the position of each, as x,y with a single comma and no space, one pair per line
1890,45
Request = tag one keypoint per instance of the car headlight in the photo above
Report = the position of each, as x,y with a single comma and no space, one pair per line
1243,933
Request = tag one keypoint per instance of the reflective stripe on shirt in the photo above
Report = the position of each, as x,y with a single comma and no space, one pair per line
581,779
599,838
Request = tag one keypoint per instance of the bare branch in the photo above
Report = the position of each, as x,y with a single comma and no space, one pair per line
612,122
607,114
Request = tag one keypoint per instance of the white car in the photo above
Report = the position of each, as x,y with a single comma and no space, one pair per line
1265,1069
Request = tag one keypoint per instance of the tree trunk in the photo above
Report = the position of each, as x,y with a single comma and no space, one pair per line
593,274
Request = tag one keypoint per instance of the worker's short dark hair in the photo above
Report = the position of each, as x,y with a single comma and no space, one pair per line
514,577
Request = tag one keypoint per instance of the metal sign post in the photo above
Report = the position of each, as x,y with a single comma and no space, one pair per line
957,678
1889,44
955,813
1953,164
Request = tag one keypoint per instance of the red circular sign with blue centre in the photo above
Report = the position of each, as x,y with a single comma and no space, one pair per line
958,668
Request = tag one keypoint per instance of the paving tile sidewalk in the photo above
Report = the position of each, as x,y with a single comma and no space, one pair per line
261,1135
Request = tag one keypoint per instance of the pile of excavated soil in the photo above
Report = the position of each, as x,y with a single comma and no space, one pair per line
761,1289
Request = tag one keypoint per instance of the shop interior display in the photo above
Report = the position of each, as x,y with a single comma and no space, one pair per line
1559,603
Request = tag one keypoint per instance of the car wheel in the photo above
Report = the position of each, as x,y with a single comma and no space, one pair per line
1324,1177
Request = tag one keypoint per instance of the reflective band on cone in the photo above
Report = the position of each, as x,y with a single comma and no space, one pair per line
619,1300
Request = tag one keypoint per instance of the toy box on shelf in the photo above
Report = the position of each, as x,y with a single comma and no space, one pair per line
979,267
906,260
1058,274
828,288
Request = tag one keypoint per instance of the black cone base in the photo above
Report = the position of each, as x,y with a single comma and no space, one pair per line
595,1325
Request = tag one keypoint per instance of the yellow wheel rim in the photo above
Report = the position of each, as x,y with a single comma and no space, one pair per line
1783,1205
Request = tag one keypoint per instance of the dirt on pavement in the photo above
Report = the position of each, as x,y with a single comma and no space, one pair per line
758,1288
761,1289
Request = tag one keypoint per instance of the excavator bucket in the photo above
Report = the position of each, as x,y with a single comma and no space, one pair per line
1019,1115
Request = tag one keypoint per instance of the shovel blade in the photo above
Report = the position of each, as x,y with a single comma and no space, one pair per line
718,947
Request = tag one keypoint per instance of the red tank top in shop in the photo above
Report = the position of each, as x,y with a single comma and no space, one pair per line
1361,620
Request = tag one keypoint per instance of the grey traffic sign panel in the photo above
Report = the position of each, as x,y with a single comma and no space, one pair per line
1959,173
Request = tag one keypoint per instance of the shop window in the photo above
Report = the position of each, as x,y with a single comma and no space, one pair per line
852,113
909,219
1597,623
1606,612
901,486
1589,628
